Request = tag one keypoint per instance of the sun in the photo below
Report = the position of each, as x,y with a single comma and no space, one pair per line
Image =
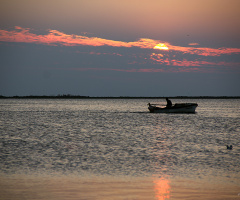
161,46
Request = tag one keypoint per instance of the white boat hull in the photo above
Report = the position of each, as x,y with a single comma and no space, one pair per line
177,108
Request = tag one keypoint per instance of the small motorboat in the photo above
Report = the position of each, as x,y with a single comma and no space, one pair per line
176,108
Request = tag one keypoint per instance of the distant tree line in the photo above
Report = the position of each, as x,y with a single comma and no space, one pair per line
60,96
69,96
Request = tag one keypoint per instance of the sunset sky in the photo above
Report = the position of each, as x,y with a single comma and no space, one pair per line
120,47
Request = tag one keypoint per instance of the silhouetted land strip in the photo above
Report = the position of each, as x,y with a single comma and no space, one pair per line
120,97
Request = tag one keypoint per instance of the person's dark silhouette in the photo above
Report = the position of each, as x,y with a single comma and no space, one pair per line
169,103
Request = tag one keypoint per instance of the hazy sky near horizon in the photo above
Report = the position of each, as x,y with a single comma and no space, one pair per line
120,47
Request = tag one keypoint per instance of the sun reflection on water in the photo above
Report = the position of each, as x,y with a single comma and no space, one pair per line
162,188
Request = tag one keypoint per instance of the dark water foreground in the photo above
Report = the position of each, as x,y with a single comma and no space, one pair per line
73,187
116,149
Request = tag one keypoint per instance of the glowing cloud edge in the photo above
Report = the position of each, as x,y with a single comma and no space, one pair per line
55,37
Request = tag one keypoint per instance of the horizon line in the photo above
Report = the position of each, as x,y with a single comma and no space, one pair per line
69,96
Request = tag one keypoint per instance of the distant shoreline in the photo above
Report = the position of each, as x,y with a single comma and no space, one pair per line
120,97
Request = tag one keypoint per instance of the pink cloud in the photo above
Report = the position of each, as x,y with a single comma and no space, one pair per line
55,37
204,51
193,44
99,53
161,59
167,55
145,70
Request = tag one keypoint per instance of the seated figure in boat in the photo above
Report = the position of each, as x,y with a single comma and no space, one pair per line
169,103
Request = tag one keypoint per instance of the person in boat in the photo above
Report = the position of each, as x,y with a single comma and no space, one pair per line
169,103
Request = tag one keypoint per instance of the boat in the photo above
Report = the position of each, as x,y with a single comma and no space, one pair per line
176,108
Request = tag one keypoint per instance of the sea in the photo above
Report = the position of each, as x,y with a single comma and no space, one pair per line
116,149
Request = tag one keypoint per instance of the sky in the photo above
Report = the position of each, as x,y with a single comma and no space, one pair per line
120,47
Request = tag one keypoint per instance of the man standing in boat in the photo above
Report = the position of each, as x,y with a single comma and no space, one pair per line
169,103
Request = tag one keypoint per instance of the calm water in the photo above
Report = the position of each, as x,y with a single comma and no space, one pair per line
120,138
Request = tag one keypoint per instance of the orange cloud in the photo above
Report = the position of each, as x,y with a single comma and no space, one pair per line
193,44
203,51
146,70
98,53
160,59
122,70
56,37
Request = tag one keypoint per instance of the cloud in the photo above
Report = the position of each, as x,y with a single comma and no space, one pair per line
55,37
118,70
99,53
204,51
146,70
193,44
164,56
162,59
